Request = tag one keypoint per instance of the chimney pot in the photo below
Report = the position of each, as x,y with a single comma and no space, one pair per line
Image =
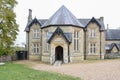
102,18
30,15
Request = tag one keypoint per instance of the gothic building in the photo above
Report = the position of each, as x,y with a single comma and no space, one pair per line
68,39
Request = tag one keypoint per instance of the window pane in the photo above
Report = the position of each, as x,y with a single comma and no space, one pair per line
77,44
92,33
74,34
74,44
77,34
94,50
76,47
91,50
36,48
35,33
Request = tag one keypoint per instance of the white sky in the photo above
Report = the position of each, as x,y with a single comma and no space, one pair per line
44,9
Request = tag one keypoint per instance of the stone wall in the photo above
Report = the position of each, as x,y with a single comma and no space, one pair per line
112,55
35,57
5,58
75,56
99,40
30,40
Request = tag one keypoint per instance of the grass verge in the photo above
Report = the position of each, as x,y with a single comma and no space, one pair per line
11,71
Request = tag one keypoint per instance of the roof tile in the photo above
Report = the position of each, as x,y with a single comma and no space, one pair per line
63,17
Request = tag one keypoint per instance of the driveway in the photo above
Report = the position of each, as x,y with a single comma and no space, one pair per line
87,70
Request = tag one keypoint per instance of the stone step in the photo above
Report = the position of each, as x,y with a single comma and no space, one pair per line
58,63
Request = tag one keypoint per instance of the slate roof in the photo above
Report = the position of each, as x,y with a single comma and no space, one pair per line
113,34
42,21
63,17
67,36
118,45
85,22
109,47
31,23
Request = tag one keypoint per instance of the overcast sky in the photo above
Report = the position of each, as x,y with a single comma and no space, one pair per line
44,9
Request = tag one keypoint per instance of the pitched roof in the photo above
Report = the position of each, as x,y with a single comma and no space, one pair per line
31,23
109,47
42,21
63,17
118,45
67,36
113,34
85,22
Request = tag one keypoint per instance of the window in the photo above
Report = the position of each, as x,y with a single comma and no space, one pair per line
47,45
35,48
92,48
92,33
35,33
76,41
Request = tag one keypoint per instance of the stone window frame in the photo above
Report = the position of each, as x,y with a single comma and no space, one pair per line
92,33
92,48
36,48
46,43
36,33
76,41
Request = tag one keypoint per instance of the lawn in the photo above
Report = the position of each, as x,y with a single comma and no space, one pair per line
11,71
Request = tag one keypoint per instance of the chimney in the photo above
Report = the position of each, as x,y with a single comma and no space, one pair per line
101,18
30,15
107,26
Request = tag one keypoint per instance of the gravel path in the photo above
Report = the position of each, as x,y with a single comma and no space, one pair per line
98,70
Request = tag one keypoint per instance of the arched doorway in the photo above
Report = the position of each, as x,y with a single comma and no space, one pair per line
59,53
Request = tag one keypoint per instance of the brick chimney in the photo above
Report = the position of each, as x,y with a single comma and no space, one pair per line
101,18
30,15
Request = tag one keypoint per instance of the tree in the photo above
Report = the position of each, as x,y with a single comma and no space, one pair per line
8,26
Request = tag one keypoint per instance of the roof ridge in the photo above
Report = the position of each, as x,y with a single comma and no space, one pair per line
63,17
58,31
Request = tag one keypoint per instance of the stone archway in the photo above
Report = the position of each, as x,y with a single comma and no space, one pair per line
59,53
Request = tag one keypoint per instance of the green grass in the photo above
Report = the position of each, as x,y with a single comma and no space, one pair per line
11,71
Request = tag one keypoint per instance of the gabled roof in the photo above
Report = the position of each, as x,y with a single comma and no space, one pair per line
31,23
63,17
86,22
113,34
109,47
67,36
42,21
118,44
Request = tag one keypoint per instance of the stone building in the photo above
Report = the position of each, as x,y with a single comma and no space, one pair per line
68,39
